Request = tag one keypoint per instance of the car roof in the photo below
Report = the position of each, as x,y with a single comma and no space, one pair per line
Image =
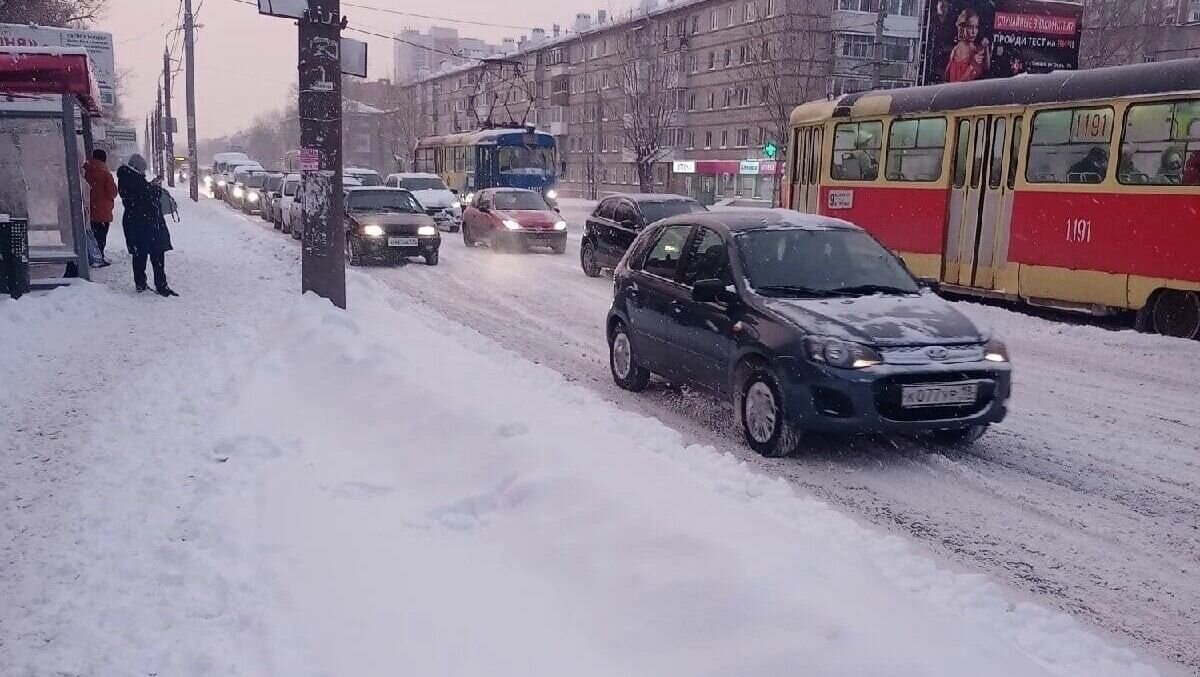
651,197
368,189
292,177
414,175
358,170
753,218
508,189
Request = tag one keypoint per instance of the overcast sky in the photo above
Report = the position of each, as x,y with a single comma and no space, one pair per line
246,62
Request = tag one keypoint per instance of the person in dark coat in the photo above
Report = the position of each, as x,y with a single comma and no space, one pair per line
146,234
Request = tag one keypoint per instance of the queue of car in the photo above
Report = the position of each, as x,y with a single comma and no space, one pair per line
805,324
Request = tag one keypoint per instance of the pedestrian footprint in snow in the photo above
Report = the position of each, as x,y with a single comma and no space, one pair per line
146,233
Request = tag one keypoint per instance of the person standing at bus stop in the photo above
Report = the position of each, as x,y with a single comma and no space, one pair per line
146,234
102,192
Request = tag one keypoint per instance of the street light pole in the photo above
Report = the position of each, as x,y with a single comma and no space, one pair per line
169,121
189,54
323,262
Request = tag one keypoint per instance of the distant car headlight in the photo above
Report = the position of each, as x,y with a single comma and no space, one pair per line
841,354
560,225
427,230
470,197
221,182
551,194
511,225
995,351
208,180
372,230
456,205
253,197
238,192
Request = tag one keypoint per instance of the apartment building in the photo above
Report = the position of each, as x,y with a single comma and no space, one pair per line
417,55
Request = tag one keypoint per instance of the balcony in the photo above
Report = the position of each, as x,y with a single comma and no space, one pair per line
558,70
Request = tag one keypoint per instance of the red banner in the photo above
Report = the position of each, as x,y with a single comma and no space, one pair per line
1036,23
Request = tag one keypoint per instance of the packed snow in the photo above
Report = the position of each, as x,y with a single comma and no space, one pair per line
243,481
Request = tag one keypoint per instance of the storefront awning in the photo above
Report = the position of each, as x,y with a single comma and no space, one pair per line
50,70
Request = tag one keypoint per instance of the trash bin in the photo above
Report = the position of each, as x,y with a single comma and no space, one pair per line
14,256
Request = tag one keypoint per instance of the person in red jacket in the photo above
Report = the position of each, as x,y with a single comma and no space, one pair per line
103,192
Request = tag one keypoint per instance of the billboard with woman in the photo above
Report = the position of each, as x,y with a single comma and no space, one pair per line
969,40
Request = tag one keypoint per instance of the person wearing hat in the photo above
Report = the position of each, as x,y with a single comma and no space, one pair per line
146,234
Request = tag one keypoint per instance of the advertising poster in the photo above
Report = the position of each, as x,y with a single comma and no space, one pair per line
99,46
969,40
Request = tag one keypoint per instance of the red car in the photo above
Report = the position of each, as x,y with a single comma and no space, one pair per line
513,218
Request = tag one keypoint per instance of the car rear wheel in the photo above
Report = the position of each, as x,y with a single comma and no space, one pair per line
959,437
1176,313
623,361
763,415
587,259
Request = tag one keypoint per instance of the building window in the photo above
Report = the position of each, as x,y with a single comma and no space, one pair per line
743,137
695,24
743,54
712,100
856,5
770,7
762,136
713,25
748,12
732,12
764,95
744,96
728,58
902,7
691,101
724,138
712,60
707,140
855,45
898,49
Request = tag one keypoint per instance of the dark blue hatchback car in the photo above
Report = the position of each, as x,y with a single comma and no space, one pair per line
806,323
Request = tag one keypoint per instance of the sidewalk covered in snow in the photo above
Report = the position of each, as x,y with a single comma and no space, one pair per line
253,483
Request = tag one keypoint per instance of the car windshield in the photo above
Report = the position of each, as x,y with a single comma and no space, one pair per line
799,262
367,178
382,201
423,183
518,200
653,211
255,180
274,182
290,187
523,160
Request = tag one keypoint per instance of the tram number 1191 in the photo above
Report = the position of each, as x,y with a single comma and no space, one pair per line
1079,230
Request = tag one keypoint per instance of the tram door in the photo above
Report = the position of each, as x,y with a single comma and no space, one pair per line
980,202
806,170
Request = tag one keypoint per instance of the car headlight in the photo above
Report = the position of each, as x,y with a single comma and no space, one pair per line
456,205
253,197
511,225
551,194
208,180
470,197
560,225
841,354
427,230
238,192
221,182
995,351
372,230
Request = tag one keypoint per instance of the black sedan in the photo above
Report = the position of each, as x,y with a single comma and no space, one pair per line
388,224
805,323
618,219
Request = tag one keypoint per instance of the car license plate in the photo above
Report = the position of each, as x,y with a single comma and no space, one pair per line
939,395
402,241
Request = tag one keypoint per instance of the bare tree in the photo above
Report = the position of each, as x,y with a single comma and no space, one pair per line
1119,32
790,61
61,13
647,81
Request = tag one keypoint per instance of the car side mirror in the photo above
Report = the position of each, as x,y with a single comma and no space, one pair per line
557,210
713,290
454,190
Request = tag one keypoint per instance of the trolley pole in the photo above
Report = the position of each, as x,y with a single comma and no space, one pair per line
189,62
877,53
323,263
169,121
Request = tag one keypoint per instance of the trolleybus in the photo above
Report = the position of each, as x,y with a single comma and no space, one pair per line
1073,189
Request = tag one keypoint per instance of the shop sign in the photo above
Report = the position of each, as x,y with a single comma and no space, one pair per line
684,166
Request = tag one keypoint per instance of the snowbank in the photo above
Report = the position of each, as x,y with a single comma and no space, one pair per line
423,502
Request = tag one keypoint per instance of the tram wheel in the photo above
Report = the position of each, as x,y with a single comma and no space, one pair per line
1176,313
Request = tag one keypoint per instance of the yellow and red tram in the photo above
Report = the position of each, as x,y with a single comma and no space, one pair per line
1074,189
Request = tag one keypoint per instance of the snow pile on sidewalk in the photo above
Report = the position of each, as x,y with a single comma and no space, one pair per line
423,503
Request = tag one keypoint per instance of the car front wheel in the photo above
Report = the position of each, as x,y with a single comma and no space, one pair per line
431,259
623,361
764,417
959,437
587,259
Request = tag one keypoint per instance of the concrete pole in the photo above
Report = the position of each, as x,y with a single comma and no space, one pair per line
169,122
189,53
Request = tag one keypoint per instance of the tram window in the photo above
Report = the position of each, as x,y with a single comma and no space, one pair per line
996,170
960,153
856,151
1161,144
1069,146
814,167
915,149
980,152
1015,153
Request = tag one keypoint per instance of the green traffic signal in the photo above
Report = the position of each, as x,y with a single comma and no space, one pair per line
770,150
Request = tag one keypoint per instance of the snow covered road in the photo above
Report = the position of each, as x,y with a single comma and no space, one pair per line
240,482
1087,497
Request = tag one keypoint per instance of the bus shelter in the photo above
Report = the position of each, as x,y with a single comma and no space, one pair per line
48,98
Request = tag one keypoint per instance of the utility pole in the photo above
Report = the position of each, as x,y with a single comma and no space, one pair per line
323,262
147,150
170,122
158,132
877,54
189,60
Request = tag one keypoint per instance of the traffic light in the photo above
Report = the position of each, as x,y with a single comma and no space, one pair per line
770,150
